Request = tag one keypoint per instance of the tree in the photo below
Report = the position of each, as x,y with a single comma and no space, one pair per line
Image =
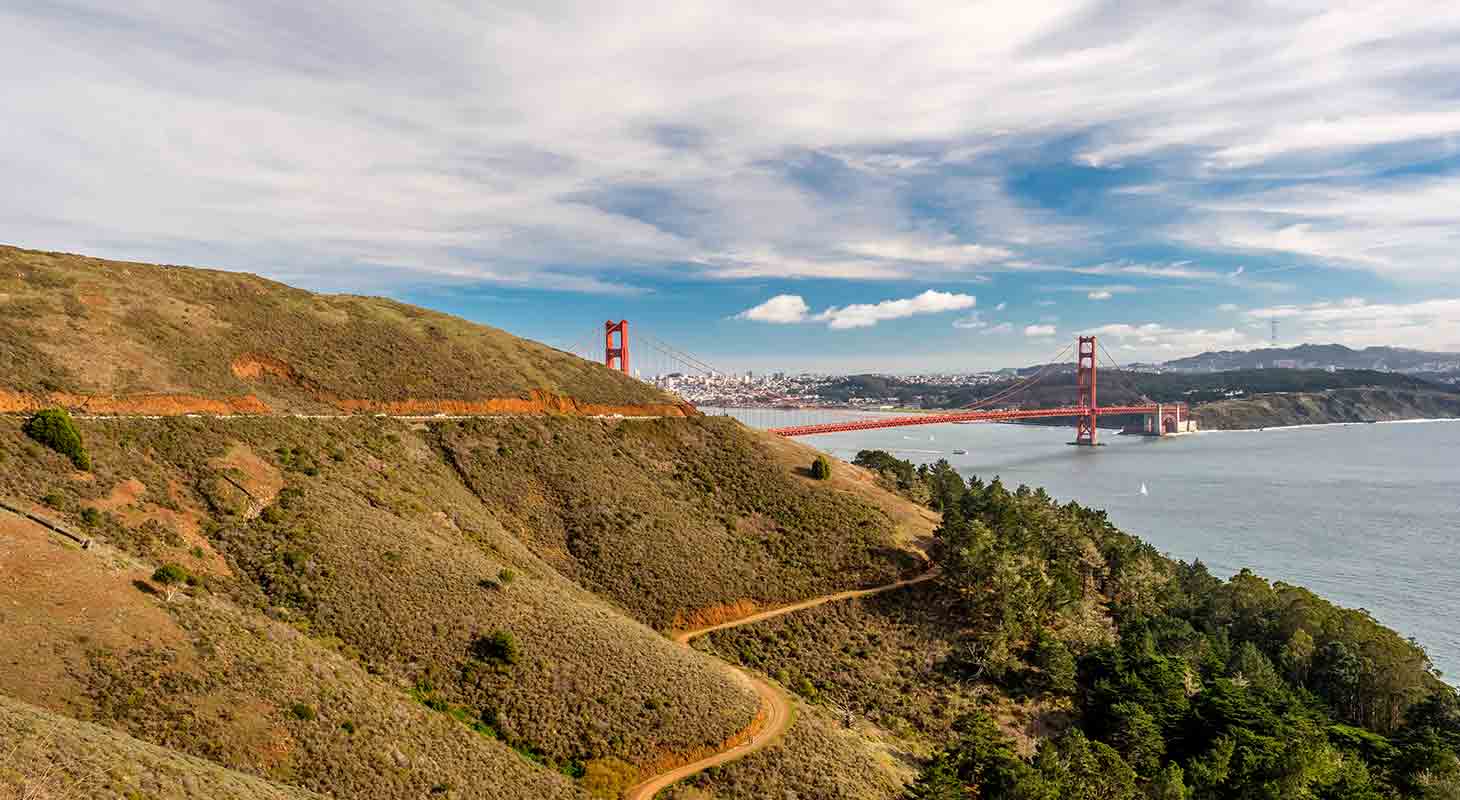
1337,671
1169,784
1056,664
170,575
499,647
1252,666
54,428
821,468
938,781
1137,737
1297,657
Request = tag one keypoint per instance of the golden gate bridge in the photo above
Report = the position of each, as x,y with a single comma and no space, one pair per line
1159,418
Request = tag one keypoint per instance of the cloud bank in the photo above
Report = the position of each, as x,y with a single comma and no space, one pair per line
590,147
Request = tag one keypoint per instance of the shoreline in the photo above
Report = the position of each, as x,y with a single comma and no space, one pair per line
1328,425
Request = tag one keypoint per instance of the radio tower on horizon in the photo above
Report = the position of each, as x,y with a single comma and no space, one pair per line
1274,331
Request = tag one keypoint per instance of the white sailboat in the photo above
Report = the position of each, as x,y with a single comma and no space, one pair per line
1144,492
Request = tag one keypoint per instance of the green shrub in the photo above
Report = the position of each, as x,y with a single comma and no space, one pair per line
506,576
55,500
303,711
608,777
821,468
54,429
497,647
90,516
169,574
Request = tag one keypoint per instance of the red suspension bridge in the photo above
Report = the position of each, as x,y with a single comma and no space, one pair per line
1158,418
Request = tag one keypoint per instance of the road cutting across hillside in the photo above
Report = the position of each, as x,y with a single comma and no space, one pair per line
774,701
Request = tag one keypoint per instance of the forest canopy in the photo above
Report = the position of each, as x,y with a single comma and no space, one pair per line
1179,684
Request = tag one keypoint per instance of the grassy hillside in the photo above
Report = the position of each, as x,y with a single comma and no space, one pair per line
1338,405
121,336
45,756
351,583
681,522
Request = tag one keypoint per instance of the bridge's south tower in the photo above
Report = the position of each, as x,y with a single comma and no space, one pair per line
1085,381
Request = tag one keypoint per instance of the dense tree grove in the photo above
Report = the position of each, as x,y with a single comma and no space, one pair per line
1181,685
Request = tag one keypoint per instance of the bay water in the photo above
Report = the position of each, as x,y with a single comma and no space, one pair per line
1366,515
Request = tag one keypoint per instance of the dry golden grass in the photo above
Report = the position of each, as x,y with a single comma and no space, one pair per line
375,549
819,757
90,327
44,756
675,519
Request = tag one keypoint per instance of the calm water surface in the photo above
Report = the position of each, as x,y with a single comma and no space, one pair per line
1366,515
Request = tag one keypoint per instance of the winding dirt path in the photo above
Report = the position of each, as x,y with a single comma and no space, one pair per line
775,702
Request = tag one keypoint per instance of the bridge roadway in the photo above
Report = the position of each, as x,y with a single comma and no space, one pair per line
960,416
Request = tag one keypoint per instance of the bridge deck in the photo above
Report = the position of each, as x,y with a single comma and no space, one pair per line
959,416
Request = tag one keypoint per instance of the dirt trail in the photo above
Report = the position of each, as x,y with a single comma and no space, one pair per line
777,703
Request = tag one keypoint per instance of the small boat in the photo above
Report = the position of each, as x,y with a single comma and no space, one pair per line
960,452
1144,492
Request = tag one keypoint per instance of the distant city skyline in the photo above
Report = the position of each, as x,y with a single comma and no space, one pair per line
863,188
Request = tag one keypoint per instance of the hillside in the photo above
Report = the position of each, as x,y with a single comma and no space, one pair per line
1056,656
372,607
1320,356
48,756
121,337
1338,405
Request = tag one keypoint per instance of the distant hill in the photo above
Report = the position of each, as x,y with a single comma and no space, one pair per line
1319,356
114,336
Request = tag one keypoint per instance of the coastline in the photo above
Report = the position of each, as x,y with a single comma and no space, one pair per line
1328,425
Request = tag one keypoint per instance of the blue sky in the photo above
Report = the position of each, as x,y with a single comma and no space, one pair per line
843,187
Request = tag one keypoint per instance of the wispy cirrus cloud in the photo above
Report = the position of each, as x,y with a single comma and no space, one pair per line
457,141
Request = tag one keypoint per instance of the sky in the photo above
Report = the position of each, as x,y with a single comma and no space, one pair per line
828,186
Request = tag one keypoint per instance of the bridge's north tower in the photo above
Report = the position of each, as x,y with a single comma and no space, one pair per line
1085,381
616,356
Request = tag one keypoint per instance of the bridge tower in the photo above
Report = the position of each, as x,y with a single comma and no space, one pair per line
1085,382
619,354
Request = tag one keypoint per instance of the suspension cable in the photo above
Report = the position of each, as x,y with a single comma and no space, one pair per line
1024,384
680,355
1121,377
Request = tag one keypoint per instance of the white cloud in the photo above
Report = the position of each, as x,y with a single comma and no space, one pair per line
865,315
1039,330
1001,306
1153,340
973,323
787,309
1408,230
943,253
1428,324
1100,294
1228,307
783,309
454,147
1044,303
1178,270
